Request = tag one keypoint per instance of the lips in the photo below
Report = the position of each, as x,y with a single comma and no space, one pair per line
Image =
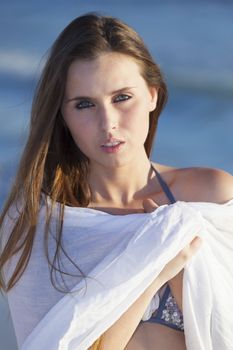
112,146
112,143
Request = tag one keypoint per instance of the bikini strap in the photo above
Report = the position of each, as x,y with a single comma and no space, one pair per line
164,186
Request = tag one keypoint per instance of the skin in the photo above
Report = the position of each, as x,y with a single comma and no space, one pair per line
107,117
118,107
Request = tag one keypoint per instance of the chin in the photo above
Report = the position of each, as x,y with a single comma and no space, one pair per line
114,162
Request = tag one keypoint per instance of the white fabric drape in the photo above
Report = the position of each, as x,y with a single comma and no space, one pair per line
147,243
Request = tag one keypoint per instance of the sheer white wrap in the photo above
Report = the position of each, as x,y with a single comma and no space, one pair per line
140,246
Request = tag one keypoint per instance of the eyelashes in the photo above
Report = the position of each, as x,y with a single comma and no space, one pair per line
122,97
88,104
84,104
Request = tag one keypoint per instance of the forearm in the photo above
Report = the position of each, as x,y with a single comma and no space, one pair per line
119,334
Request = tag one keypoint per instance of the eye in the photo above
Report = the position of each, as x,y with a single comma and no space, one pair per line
84,104
122,97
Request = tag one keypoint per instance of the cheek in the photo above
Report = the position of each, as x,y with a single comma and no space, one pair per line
137,118
81,131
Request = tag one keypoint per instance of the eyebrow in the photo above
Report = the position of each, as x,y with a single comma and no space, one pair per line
78,98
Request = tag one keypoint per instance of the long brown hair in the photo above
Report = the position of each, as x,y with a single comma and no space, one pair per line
51,162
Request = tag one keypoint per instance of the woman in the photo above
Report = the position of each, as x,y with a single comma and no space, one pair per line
93,122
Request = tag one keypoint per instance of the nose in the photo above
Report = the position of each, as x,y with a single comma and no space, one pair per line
108,119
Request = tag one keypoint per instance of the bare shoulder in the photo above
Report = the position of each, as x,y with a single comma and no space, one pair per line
198,183
204,184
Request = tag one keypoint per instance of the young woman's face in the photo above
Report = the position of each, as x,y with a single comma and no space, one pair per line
106,108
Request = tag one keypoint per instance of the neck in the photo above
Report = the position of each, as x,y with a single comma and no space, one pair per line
119,186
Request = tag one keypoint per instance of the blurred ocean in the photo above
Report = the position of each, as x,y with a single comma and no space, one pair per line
191,41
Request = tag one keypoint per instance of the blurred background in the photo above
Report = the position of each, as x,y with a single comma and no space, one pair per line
190,40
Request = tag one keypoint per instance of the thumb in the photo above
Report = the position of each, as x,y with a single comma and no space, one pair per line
149,205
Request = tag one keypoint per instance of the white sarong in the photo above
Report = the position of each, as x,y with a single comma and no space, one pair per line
142,244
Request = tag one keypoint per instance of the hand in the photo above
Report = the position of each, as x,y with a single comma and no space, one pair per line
173,271
149,205
179,261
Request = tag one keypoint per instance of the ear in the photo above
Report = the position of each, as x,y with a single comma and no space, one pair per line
154,97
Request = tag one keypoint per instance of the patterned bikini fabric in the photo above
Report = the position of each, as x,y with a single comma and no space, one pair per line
168,312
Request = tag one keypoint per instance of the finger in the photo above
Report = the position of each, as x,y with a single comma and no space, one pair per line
149,205
187,252
196,242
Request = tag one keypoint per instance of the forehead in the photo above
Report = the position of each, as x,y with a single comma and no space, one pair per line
103,72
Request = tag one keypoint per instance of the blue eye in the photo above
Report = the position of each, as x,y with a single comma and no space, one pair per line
84,104
122,97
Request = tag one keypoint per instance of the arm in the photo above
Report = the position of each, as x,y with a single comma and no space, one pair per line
201,184
119,334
